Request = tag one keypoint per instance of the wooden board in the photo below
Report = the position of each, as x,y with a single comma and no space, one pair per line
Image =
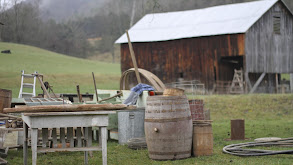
66,108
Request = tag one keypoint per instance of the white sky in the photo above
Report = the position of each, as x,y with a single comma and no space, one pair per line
6,4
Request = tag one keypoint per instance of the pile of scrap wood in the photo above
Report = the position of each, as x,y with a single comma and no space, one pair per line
68,108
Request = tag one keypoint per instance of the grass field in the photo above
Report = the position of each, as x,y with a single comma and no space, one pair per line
265,115
62,72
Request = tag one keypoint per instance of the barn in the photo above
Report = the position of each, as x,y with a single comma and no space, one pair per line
209,44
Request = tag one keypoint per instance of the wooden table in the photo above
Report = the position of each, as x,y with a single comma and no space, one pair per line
62,120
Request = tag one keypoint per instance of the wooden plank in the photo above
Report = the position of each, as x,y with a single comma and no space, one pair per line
54,137
44,137
43,86
70,136
133,58
44,150
66,108
25,143
257,82
69,113
78,136
34,143
97,96
66,121
62,137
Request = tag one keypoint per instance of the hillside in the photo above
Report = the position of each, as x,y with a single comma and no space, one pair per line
62,72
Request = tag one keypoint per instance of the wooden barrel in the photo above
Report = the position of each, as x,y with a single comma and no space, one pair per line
202,138
5,99
168,127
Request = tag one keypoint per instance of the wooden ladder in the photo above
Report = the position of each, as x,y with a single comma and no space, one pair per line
237,86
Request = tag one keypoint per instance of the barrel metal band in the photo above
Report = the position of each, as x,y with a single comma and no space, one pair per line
169,153
168,120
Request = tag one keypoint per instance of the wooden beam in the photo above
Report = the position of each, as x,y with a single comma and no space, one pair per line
43,86
133,58
291,82
277,83
66,108
257,83
247,80
95,86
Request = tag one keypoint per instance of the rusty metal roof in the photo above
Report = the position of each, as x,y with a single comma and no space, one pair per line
218,20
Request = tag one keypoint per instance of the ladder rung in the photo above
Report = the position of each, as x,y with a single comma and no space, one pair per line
29,94
28,85
28,76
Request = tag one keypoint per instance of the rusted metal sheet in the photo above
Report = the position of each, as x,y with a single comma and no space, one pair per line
194,58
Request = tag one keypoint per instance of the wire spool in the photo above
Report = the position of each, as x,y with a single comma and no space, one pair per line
238,149
137,143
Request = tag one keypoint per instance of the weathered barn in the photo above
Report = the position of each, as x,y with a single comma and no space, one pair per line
208,44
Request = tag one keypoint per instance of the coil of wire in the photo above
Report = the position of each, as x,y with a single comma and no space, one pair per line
238,149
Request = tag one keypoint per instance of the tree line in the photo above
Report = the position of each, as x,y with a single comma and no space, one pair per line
24,23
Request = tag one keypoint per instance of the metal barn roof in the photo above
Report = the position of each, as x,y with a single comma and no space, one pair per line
218,20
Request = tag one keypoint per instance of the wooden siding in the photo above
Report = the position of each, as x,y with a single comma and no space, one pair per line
267,51
194,58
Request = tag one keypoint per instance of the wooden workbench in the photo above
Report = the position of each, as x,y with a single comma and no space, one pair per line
55,120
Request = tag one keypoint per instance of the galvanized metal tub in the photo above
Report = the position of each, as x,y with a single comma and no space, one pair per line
5,99
130,124
168,127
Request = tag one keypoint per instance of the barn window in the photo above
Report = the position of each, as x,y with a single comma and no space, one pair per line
277,23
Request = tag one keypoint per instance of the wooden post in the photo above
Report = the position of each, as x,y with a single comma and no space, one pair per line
237,129
277,83
291,82
133,58
78,94
95,86
257,83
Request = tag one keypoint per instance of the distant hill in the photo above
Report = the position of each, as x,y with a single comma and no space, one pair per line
62,72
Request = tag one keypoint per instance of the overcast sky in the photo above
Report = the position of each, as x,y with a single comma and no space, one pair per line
6,4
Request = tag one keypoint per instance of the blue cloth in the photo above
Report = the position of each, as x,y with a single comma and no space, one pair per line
139,88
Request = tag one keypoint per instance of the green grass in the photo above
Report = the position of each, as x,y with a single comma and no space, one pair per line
265,116
62,72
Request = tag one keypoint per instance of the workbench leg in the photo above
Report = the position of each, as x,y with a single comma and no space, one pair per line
86,130
100,137
34,142
104,144
25,143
